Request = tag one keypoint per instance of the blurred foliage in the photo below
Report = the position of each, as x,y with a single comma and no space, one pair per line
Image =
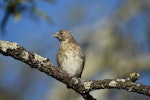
5,95
119,45
16,8
116,45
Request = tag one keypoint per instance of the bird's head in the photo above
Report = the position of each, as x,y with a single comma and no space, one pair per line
63,35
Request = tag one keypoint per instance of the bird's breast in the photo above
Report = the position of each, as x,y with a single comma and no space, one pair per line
72,64
70,60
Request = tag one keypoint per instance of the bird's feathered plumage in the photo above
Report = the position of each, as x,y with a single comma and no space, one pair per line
69,56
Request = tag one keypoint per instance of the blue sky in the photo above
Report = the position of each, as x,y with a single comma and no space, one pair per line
36,37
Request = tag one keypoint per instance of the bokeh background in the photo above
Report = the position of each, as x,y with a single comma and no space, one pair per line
115,35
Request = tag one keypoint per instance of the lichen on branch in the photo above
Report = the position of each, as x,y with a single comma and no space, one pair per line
81,86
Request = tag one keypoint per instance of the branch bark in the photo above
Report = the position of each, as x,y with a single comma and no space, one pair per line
82,87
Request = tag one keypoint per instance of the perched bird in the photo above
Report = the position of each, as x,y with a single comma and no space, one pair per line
69,56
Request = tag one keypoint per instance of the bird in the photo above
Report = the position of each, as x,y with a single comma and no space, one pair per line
70,57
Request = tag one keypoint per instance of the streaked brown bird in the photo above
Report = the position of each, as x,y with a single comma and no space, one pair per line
69,56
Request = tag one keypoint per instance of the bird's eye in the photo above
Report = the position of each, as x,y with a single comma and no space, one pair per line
60,33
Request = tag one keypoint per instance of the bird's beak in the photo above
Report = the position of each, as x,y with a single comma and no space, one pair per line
55,35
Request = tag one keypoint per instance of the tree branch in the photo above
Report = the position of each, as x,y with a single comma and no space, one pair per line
80,86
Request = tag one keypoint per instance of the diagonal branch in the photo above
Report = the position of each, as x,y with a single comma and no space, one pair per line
80,86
